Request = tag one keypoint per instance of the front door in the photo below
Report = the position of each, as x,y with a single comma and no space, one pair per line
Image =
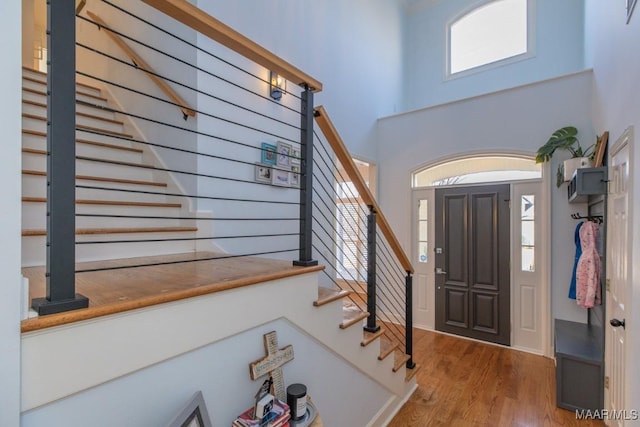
618,273
472,256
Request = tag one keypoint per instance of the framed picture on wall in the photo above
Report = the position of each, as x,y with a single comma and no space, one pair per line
268,156
294,176
295,156
631,4
284,154
263,173
194,414
280,177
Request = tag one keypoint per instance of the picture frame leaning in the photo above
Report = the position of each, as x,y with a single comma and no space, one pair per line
193,414
631,4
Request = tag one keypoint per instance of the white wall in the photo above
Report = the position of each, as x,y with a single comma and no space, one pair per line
559,50
135,368
353,47
616,105
518,120
10,166
152,396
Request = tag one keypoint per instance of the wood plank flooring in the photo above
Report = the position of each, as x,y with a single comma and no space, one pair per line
467,383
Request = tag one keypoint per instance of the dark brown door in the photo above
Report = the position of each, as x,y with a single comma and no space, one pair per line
472,258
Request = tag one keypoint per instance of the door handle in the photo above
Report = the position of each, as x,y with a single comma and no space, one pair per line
440,271
616,323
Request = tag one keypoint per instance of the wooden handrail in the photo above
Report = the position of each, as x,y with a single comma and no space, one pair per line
80,5
141,64
197,19
351,169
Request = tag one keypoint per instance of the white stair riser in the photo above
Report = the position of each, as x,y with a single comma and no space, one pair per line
38,162
41,110
39,141
41,85
87,150
100,125
32,222
34,252
42,82
41,97
35,186
39,209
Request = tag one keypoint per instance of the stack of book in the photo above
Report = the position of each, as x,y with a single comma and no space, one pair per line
278,417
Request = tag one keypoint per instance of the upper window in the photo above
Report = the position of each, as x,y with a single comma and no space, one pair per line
488,34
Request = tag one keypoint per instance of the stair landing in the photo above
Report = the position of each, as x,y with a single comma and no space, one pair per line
170,278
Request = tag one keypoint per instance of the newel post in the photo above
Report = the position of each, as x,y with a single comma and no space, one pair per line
306,180
371,272
409,320
61,161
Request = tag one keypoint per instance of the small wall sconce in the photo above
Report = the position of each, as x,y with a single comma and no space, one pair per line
277,86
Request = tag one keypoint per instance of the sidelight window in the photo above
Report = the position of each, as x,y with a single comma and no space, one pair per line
527,241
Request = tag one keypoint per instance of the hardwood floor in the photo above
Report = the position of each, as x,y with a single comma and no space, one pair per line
467,383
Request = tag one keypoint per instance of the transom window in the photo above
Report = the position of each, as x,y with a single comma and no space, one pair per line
489,34
475,170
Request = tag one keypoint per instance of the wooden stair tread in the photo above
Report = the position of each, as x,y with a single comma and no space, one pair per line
387,347
400,358
110,202
88,95
410,373
98,178
351,316
45,74
157,280
327,295
82,127
128,230
80,113
369,337
88,142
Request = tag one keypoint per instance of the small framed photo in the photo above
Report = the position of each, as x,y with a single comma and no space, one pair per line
294,176
263,173
284,154
295,156
269,154
194,414
280,177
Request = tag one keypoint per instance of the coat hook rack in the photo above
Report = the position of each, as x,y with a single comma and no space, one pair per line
595,218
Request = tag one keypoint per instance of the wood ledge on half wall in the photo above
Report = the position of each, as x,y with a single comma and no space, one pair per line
181,276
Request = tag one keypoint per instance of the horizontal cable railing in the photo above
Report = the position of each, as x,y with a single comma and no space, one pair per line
240,173
354,241
223,180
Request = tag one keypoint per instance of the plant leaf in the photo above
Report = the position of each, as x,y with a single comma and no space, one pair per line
563,138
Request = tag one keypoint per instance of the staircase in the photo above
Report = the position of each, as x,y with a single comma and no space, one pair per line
109,160
353,316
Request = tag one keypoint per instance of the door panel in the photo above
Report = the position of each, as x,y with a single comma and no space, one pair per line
455,240
485,236
472,285
618,272
456,308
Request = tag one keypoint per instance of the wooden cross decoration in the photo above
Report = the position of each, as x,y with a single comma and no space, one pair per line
272,364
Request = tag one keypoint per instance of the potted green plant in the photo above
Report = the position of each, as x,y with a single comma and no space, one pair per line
566,139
